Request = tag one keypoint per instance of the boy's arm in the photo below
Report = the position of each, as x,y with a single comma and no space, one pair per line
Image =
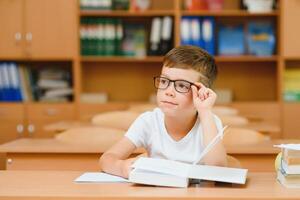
114,161
204,99
217,155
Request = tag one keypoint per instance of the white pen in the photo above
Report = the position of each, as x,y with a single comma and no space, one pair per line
214,141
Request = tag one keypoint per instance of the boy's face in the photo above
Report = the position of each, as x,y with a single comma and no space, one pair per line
172,102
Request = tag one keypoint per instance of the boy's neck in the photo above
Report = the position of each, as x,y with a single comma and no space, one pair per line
179,127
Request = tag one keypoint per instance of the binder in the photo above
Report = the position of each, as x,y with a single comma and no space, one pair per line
14,82
166,35
1,84
195,31
7,96
185,31
155,36
208,34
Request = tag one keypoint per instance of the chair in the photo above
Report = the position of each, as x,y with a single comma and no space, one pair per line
242,136
93,136
140,108
233,120
115,119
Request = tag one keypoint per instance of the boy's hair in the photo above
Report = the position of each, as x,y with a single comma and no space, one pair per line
192,57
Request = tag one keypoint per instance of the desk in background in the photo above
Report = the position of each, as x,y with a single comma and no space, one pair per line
60,185
267,128
51,154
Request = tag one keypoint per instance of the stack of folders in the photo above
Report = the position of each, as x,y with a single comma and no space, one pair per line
198,31
104,4
161,36
289,170
291,90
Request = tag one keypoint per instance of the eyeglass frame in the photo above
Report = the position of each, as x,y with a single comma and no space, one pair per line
173,81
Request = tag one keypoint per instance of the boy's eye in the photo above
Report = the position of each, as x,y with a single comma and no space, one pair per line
183,85
163,81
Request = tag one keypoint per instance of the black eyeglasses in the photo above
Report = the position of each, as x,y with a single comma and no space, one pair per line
181,86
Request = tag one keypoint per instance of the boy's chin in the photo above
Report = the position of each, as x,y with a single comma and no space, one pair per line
172,112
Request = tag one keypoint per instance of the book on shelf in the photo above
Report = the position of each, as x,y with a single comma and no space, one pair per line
261,39
196,5
291,85
231,40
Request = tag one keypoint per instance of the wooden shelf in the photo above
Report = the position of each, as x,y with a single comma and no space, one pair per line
160,59
121,59
292,58
149,13
246,58
228,13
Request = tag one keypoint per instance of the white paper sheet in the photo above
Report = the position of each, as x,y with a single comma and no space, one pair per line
99,177
289,146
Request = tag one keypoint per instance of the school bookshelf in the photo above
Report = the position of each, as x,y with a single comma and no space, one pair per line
134,75
36,34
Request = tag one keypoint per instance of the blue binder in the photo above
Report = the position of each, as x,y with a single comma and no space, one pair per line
208,34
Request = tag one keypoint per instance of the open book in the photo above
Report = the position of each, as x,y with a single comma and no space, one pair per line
161,172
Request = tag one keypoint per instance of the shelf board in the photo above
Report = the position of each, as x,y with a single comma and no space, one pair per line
246,58
160,59
44,59
291,58
121,59
149,13
229,13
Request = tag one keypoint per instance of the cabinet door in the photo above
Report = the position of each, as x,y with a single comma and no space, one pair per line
50,30
11,121
291,125
40,115
291,15
11,29
11,125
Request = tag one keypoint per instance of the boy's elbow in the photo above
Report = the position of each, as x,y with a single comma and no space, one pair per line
217,162
102,162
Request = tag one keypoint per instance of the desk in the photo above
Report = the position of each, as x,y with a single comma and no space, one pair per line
59,185
266,128
51,154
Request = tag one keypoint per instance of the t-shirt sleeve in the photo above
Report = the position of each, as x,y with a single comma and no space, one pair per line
137,132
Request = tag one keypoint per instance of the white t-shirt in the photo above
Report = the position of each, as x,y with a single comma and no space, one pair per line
149,131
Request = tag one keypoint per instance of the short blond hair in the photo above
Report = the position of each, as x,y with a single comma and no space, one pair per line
192,57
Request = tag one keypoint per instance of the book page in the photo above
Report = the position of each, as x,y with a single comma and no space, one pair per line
215,173
162,166
289,146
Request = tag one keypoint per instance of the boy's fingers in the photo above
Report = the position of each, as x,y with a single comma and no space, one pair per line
194,92
200,85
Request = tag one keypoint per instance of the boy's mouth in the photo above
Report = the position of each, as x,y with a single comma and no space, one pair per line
169,103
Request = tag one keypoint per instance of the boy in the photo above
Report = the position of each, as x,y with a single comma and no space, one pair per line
183,124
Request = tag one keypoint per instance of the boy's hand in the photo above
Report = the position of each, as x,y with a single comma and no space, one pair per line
204,98
126,166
